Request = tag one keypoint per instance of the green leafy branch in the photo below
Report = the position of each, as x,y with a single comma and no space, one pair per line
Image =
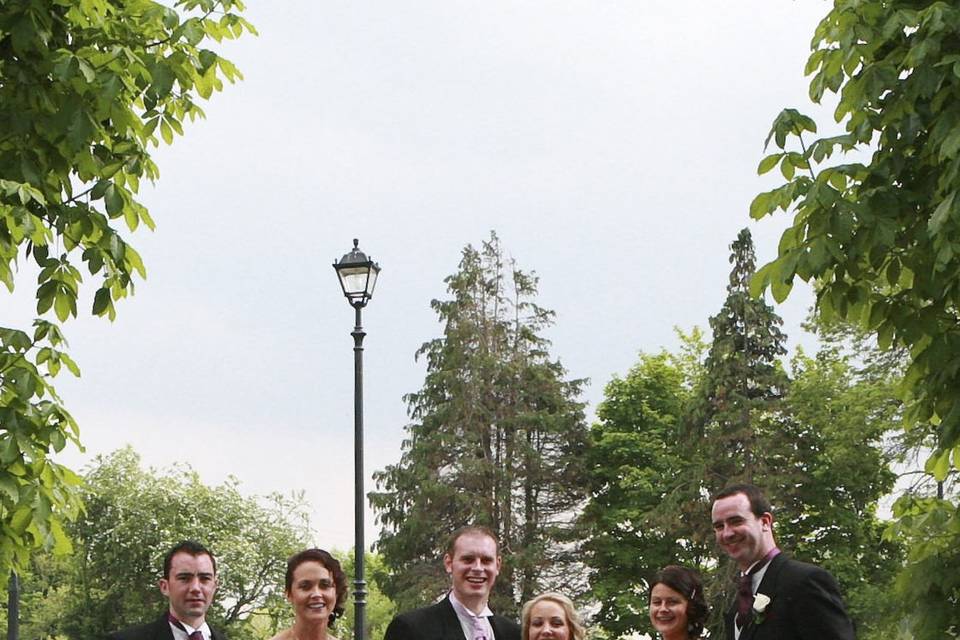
86,88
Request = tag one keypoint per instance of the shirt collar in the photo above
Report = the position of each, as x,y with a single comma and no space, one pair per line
765,560
462,609
183,630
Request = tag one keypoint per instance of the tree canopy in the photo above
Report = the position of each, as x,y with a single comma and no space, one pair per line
86,89
132,517
635,464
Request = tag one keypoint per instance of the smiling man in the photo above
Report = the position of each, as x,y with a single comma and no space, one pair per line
189,582
778,598
472,561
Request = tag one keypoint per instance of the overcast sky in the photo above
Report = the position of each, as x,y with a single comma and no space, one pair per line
612,146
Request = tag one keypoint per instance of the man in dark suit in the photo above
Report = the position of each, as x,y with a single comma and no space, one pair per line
472,561
189,582
778,598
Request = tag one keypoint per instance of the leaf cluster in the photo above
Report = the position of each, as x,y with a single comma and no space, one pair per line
37,495
87,87
84,89
634,469
881,240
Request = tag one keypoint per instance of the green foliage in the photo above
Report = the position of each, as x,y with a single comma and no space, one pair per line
929,529
738,414
380,609
36,494
814,442
133,517
836,507
634,463
85,87
496,440
881,240
44,595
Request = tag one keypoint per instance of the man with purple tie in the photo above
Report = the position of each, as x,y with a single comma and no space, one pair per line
777,598
189,582
472,561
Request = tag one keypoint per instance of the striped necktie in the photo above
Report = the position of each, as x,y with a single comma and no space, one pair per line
479,629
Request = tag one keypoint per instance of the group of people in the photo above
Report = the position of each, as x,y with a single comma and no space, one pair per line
778,598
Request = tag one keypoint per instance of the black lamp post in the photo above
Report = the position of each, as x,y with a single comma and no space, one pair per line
358,276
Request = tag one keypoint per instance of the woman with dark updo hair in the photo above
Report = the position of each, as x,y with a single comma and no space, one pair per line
678,609
316,587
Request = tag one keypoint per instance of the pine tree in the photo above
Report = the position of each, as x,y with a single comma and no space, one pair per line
496,438
741,394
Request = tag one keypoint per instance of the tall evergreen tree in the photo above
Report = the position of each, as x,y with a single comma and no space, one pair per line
496,438
740,398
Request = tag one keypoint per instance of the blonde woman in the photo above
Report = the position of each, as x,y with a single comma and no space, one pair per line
551,616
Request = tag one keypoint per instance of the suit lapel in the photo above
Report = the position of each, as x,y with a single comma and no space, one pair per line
163,631
450,623
748,631
498,630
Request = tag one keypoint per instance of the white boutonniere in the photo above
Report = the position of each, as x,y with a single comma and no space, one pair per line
760,604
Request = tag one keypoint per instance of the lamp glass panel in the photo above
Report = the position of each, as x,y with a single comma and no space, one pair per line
354,279
372,282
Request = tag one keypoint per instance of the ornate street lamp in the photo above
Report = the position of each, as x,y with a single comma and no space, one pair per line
358,276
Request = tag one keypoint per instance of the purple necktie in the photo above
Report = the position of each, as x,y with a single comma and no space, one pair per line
745,589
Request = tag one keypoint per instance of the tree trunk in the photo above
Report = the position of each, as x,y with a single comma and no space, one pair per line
13,608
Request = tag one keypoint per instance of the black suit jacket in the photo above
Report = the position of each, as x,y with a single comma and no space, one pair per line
156,630
805,604
440,622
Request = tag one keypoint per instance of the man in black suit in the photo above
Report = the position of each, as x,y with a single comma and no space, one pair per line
778,598
472,561
189,582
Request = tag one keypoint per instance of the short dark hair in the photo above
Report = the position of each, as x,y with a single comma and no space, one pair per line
759,504
332,565
687,583
191,547
471,529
